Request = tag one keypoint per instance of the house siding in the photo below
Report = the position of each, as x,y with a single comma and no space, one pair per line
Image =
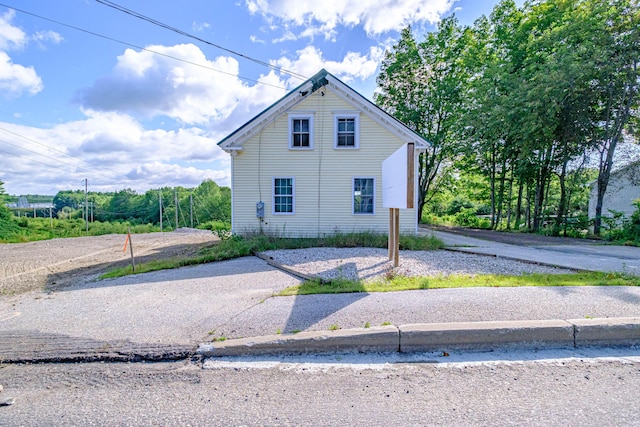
323,175
622,191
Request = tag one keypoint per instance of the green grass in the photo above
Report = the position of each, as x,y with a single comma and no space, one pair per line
403,283
238,246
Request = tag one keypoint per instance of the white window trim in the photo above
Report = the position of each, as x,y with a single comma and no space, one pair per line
308,116
356,117
353,201
273,195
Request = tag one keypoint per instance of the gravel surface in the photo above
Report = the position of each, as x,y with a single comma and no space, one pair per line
57,263
370,264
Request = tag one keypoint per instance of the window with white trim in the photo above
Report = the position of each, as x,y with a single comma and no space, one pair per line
283,195
364,196
301,132
347,133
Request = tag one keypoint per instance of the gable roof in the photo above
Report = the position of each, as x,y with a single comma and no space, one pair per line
234,141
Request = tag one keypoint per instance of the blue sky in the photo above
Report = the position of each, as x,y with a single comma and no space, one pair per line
89,91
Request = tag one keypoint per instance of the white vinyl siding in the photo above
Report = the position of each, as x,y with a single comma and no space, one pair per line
323,188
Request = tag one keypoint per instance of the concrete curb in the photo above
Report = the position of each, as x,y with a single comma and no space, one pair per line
535,334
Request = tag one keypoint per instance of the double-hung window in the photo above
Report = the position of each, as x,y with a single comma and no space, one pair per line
364,196
301,131
347,132
283,195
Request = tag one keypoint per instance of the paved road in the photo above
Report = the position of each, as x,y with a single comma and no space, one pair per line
577,391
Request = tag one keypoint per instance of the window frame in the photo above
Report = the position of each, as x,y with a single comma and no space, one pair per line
274,195
301,116
353,196
356,124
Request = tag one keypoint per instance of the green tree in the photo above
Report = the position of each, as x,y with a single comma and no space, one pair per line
421,85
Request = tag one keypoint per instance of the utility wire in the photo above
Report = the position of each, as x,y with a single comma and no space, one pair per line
140,47
186,34
115,174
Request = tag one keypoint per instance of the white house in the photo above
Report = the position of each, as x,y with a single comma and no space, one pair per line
622,191
310,165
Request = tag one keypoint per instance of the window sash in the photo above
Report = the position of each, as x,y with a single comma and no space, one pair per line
346,132
363,196
300,133
282,195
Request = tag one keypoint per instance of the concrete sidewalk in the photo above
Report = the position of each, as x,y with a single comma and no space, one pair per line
168,314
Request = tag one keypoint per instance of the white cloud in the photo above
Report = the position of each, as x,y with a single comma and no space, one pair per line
51,36
11,37
354,65
149,85
116,152
376,17
200,26
16,79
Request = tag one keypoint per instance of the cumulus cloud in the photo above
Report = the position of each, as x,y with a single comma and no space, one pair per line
353,66
15,79
11,37
116,152
148,85
376,17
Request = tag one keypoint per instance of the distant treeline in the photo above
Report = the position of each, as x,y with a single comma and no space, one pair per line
208,203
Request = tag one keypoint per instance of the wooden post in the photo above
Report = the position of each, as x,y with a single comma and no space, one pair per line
396,239
133,262
394,236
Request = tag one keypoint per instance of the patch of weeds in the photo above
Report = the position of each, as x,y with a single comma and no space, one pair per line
386,323
219,339
278,331
367,325
390,274
334,327
296,331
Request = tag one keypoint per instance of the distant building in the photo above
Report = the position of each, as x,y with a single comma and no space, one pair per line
622,191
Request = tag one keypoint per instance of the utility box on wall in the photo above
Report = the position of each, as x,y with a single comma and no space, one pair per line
260,209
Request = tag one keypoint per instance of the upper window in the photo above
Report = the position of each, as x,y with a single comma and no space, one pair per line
347,134
283,195
301,131
363,196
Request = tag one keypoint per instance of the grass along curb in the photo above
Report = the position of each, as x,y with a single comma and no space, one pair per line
403,283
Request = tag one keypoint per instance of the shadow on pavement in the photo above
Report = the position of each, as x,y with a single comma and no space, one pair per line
308,310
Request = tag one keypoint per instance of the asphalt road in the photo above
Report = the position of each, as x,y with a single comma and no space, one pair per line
575,390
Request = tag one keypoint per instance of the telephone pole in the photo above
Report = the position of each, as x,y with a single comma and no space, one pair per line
191,207
160,204
176,196
86,204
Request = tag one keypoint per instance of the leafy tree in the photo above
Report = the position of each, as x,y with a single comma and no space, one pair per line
421,85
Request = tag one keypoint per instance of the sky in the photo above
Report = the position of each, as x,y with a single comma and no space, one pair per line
92,90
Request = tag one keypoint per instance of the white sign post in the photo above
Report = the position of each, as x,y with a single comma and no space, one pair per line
398,184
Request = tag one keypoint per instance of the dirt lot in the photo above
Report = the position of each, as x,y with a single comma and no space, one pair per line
52,264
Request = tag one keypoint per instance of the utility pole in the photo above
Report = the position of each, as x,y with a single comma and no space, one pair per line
191,207
86,204
160,204
176,195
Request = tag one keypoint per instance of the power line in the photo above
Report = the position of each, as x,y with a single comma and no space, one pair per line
141,48
53,149
186,34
